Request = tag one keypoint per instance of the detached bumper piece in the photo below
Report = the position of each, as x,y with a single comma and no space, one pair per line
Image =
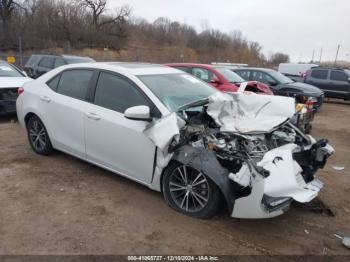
313,159
271,196
272,204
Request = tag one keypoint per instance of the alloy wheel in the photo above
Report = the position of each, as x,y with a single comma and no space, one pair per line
189,189
37,134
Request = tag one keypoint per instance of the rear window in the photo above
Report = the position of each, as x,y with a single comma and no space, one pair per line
78,60
33,60
75,83
7,70
184,69
319,74
47,62
339,76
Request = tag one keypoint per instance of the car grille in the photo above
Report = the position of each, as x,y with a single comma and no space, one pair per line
8,94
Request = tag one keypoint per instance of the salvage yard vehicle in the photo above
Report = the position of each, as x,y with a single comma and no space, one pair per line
177,135
335,82
283,86
40,64
11,78
221,78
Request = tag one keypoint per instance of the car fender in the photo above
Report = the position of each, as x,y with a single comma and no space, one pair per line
205,161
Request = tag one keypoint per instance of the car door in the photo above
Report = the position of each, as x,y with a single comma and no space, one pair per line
245,74
339,83
113,141
45,65
64,109
320,78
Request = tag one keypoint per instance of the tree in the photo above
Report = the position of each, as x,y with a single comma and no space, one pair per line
278,58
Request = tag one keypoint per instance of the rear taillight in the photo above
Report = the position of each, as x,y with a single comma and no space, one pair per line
310,105
20,90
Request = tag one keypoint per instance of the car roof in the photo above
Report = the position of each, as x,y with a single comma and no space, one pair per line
190,65
130,68
255,68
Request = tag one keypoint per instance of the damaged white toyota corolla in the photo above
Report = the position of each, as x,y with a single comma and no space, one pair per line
174,133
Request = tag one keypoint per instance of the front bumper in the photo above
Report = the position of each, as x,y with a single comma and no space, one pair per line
287,181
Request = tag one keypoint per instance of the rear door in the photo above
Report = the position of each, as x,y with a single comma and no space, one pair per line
339,83
112,140
64,109
45,65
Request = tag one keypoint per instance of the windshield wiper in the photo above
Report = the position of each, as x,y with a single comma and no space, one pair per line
197,103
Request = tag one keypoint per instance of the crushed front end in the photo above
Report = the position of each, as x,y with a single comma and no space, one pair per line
259,172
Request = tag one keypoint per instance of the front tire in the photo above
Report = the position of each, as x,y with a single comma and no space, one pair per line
190,191
38,137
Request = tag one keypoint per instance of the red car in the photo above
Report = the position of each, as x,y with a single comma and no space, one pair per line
221,78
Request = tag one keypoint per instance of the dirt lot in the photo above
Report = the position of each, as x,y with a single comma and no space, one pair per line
61,205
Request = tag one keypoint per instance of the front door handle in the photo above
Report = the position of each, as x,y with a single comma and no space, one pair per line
45,99
93,116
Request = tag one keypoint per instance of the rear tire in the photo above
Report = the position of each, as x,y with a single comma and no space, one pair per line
190,191
38,137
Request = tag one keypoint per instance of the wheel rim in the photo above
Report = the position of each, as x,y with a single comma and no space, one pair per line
37,135
189,189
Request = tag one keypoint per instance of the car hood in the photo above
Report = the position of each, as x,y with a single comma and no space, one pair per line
6,82
305,88
247,114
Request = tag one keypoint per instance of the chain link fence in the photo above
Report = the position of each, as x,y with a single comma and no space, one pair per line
20,60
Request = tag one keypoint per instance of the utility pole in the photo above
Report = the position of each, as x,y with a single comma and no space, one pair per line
321,52
20,52
336,56
313,56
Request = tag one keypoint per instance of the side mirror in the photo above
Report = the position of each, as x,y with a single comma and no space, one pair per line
138,113
215,80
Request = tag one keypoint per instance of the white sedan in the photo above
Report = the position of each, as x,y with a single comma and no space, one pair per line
11,78
175,134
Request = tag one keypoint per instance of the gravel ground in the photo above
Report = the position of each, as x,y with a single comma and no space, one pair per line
61,205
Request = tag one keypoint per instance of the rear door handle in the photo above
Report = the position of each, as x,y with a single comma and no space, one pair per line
93,116
45,99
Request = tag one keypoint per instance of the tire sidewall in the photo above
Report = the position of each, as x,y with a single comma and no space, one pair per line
211,208
48,147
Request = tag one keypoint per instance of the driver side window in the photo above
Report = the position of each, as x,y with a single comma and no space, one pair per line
262,77
203,74
116,93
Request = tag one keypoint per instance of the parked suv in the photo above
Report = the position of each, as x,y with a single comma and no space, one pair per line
282,85
335,82
38,65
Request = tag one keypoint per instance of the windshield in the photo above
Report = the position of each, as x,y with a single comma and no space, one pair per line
7,70
230,76
78,60
177,90
281,79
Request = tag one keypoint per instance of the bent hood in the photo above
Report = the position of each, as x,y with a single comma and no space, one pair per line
13,82
246,114
305,88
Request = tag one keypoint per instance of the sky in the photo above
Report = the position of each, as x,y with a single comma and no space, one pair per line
294,27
